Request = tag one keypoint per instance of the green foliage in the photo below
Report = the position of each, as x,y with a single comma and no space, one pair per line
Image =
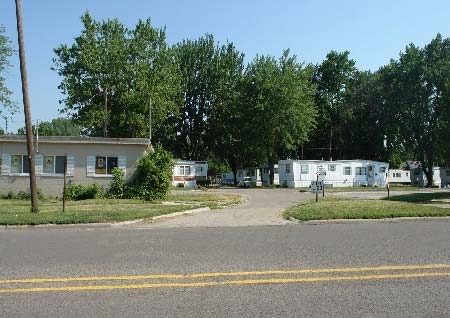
277,104
21,195
6,52
76,192
204,183
128,66
56,127
417,95
153,176
118,188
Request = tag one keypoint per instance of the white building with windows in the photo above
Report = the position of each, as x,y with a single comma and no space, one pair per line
254,173
399,176
340,173
187,172
265,175
89,160
441,177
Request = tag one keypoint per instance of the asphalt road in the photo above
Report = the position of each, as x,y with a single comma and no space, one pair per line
79,256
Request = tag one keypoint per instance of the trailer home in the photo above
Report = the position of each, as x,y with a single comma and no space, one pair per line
254,173
265,175
441,177
399,176
187,172
340,173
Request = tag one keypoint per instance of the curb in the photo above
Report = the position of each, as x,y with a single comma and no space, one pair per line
386,220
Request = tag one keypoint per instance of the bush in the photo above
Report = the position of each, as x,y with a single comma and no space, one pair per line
118,187
21,195
76,192
204,183
153,176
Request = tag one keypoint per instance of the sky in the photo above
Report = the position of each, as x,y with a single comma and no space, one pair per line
373,31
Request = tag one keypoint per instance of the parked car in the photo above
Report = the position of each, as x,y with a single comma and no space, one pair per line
246,182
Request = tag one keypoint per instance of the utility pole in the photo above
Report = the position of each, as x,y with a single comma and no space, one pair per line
105,132
26,107
150,120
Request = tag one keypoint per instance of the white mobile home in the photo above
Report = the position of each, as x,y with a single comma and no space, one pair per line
399,176
441,177
265,175
187,172
253,172
340,173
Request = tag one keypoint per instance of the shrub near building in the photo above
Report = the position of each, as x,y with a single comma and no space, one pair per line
150,181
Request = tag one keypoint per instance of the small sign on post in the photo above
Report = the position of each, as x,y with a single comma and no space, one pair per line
317,187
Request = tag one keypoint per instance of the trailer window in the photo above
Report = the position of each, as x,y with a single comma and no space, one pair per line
360,171
332,167
382,169
347,171
288,168
304,169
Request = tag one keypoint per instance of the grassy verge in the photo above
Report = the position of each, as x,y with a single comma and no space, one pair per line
339,208
422,197
17,212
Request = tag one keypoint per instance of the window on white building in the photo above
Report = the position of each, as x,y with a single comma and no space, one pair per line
105,165
332,167
288,168
360,171
382,169
53,164
304,169
19,164
347,171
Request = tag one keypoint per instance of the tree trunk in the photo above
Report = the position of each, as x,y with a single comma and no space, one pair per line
234,170
429,171
271,172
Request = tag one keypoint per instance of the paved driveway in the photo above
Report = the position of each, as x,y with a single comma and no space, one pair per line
263,207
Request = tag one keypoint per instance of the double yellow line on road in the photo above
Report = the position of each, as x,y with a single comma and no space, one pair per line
194,280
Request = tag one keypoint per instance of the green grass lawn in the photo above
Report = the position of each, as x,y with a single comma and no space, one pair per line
421,197
17,212
340,208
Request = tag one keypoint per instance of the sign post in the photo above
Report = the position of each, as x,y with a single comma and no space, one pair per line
65,182
317,193
317,187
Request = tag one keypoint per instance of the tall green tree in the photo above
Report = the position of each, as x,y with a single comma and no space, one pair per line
56,127
333,77
278,105
419,91
225,122
130,67
6,51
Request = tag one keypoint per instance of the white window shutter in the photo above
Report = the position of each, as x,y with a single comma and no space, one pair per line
90,166
71,165
6,164
39,164
122,164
